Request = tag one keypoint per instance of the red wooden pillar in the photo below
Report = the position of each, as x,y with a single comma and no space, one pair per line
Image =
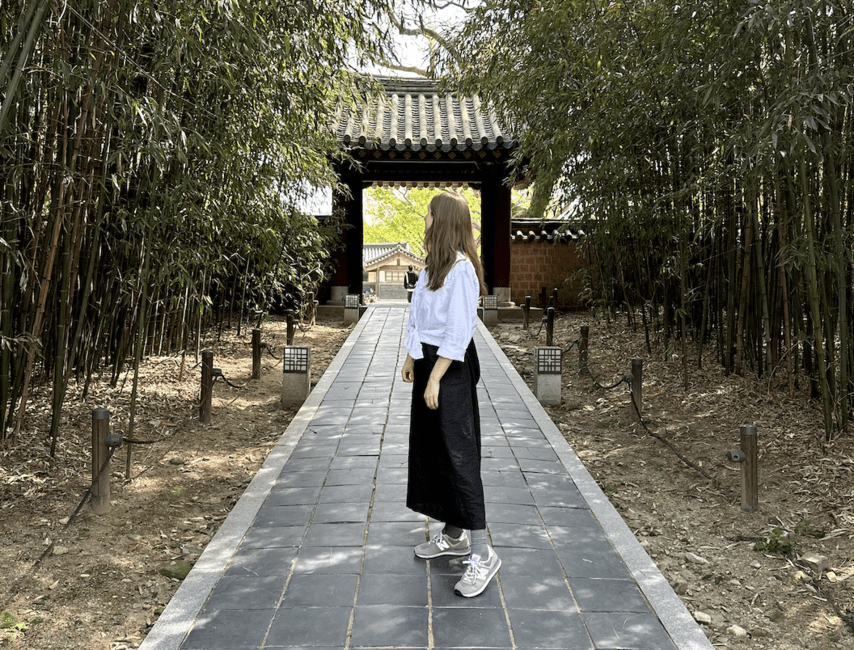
495,235
348,271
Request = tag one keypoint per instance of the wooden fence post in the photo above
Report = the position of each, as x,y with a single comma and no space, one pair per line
207,387
100,502
256,353
582,350
637,387
750,469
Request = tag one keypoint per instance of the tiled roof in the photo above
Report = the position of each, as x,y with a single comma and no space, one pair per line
372,253
412,115
550,230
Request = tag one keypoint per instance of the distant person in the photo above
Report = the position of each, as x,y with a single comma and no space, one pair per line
409,282
442,365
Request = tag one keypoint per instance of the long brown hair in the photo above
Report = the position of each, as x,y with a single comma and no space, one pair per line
450,232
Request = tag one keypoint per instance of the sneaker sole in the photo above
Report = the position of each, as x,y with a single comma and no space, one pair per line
485,584
441,553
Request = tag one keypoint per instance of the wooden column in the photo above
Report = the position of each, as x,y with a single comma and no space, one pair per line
348,272
495,234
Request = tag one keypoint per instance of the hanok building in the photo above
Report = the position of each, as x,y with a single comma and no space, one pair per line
413,135
384,267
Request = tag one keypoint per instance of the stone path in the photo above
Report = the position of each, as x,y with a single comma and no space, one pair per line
318,551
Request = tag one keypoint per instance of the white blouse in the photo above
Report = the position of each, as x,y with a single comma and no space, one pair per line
446,317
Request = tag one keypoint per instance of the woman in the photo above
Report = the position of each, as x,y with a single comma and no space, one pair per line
444,439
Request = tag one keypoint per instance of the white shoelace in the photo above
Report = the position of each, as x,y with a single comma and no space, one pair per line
475,570
439,540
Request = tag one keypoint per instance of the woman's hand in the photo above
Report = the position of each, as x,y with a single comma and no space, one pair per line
408,371
431,395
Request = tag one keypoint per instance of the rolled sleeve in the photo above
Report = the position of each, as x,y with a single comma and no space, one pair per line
463,290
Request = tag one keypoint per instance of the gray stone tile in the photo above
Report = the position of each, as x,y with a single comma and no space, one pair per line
300,479
335,535
394,492
261,561
349,477
345,494
320,590
317,463
392,476
393,589
399,560
394,511
391,460
325,559
354,462
568,517
273,536
283,515
386,625
513,514
499,464
315,449
535,453
548,629
516,536
528,563
470,627
340,513
592,562
292,496
595,595
448,565
309,626
233,629
359,445
509,479
443,595
590,537
396,533
542,592
247,592
530,466
627,632
493,449
517,495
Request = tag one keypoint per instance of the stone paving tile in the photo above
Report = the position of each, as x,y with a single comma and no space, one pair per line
601,595
309,626
393,589
470,627
261,561
548,629
330,551
221,629
273,536
320,590
544,592
386,625
627,632
382,559
247,592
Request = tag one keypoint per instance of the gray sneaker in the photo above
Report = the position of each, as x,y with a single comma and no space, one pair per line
478,575
441,544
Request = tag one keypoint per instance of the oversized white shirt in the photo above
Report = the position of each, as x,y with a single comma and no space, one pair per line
446,317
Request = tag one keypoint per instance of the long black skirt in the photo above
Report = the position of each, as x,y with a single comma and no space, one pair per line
444,444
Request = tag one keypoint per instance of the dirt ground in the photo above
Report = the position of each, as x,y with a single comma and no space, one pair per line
694,528
100,586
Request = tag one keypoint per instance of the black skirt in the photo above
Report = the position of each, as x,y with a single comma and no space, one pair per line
444,445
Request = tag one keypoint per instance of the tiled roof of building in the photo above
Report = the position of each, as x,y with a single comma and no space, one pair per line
372,253
412,115
550,230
